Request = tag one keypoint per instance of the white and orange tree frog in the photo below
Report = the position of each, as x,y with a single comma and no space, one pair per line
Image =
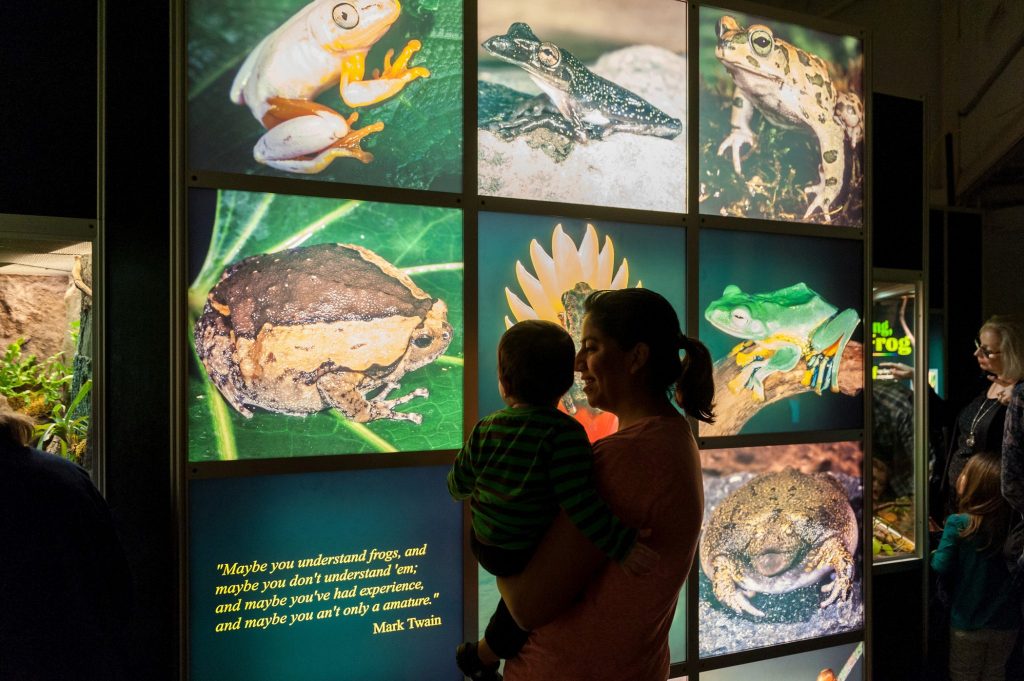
321,46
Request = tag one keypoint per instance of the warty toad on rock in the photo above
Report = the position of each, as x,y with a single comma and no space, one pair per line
779,532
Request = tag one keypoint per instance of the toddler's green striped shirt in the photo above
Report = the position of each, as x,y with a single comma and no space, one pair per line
519,466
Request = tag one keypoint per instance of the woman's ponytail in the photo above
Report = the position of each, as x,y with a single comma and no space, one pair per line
638,315
695,389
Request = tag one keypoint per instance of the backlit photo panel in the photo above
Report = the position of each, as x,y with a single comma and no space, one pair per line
322,326
782,317
358,92
781,121
540,267
780,552
839,663
323,576
581,102
488,597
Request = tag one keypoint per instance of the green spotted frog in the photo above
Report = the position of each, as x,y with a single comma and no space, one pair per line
792,89
779,329
576,102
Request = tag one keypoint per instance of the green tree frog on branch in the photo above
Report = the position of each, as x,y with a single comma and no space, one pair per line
780,328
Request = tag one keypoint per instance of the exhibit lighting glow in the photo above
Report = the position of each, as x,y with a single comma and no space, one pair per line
561,271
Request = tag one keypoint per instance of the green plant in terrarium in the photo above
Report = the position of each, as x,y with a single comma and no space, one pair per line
17,373
31,386
40,390
64,433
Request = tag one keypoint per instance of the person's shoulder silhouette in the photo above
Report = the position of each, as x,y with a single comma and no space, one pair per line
65,589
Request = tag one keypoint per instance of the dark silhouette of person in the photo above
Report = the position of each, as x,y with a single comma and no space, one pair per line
65,588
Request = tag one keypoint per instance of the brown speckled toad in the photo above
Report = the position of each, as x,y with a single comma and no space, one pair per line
793,89
316,327
779,532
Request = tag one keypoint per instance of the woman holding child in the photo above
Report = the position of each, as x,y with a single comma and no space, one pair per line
590,618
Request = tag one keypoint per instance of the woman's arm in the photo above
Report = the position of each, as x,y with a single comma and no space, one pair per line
565,560
1012,477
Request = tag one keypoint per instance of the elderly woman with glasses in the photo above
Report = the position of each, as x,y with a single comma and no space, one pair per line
999,351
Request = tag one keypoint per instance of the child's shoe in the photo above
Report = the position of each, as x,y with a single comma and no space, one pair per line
469,663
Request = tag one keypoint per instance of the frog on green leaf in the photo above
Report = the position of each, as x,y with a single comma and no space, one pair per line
779,329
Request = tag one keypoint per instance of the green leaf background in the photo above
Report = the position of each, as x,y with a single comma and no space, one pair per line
786,161
421,144
425,242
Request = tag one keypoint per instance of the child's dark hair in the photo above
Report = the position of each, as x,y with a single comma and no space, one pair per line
535,361
988,514
638,315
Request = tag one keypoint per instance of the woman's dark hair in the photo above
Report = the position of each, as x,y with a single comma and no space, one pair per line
638,315
535,361
988,514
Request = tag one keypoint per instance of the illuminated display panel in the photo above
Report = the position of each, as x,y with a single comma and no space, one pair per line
420,147
893,433
354,575
776,313
936,354
841,663
780,555
607,126
339,329
531,266
777,101
250,63
488,597
892,333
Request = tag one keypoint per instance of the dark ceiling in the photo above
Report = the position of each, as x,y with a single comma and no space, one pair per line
1002,186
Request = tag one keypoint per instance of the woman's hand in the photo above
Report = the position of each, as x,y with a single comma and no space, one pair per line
641,559
899,370
999,391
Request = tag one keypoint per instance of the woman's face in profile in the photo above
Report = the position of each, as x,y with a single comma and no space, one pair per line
602,367
991,343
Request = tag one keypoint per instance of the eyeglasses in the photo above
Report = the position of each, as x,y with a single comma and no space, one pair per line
985,352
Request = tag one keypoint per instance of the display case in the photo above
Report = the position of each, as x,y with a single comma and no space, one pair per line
901,448
371,194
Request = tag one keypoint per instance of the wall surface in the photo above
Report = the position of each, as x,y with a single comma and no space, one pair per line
49,142
48,136
137,289
1002,250
32,308
983,67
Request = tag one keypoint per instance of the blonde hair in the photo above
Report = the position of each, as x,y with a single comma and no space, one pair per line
1011,334
15,428
988,514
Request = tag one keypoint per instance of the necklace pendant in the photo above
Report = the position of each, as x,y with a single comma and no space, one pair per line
970,440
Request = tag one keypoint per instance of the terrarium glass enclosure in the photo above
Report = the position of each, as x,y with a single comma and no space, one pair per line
46,322
899,393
